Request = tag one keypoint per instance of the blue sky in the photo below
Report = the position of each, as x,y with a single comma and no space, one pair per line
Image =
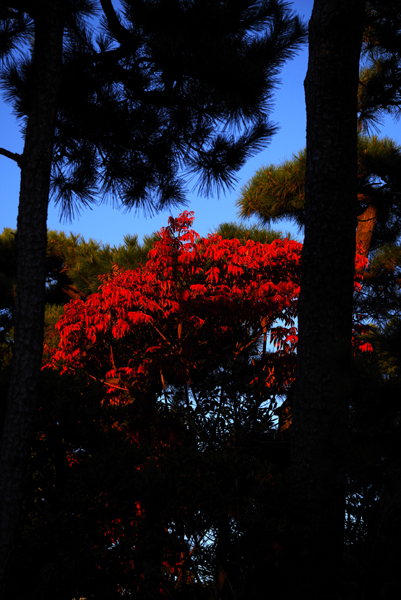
109,225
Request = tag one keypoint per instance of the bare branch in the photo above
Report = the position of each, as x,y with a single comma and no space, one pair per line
12,155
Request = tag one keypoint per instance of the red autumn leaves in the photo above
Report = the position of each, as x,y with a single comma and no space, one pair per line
196,299
198,305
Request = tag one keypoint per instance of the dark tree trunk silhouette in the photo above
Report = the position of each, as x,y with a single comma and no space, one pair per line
31,251
325,304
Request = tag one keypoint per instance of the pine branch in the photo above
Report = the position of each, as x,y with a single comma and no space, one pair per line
12,156
119,31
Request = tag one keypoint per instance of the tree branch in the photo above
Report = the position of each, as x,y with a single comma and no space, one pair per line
119,31
12,155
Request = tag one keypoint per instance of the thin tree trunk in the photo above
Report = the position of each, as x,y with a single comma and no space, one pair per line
325,304
31,251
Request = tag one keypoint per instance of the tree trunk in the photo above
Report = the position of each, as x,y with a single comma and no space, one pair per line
31,250
366,224
325,303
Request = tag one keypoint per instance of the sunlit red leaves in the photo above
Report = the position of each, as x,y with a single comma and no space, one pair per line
358,341
190,292
194,296
196,302
360,265
359,329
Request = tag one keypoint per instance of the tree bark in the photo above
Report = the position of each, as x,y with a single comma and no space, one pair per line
325,303
366,224
35,163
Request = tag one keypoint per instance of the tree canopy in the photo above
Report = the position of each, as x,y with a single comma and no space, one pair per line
151,91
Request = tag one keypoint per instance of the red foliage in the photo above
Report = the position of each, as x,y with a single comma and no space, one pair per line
195,299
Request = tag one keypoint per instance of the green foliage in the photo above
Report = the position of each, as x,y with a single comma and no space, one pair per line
8,277
275,192
8,268
230,231
73,265
387,348
379,298
76,263
53,313
379,90
278,191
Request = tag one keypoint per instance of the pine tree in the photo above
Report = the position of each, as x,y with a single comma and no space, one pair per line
325,303
31,243
278,191
147,99
379,90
